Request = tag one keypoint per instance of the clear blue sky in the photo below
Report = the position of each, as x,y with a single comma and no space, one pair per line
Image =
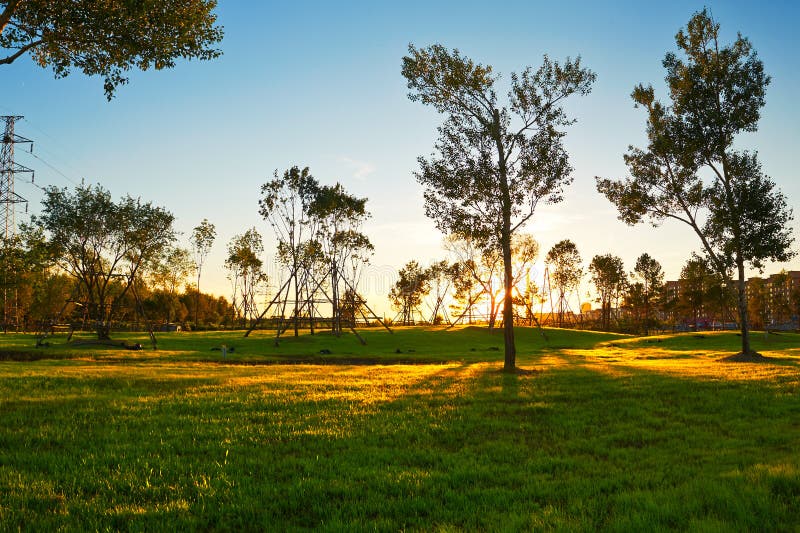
319,84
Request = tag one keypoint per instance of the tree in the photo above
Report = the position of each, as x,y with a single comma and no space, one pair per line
167,274
440,277
609,279
246,271
284,203
694,281
564,263
716,93
409,290
476,268
107,38
203,236
648,272
495,163
344,247
102,244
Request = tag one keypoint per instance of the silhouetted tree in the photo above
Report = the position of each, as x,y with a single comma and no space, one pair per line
648,272
409,290
564,264
494,163
246,271
203,236
284,203
609,279
344,248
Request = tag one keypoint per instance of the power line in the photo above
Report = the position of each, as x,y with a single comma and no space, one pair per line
43,161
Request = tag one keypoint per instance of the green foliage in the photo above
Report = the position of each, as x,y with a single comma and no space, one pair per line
493,162
609,279
102,244
108,38
564,261
411,287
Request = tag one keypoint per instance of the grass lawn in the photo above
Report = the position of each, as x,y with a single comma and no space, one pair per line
418,430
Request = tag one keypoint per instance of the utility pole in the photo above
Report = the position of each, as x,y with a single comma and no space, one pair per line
8,200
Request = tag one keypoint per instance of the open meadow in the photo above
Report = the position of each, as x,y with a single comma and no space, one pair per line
417,430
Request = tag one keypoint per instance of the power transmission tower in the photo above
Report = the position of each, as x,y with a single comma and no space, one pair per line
8,169
8,200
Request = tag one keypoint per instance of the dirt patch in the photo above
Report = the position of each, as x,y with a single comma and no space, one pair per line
746,357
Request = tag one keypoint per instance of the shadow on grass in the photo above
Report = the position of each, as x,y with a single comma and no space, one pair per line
458,447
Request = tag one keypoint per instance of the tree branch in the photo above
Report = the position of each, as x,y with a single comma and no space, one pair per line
13,57
7,13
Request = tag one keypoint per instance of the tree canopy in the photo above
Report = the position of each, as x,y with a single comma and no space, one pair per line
108,38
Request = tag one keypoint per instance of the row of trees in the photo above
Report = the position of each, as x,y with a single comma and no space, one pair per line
494,164
638,301
90,261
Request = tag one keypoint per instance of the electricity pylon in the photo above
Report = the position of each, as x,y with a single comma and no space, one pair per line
8,200
8,169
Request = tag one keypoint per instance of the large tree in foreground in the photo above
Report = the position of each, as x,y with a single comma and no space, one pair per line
107,38
494,163
102,244
690,171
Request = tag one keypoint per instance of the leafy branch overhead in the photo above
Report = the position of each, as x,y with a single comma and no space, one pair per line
108,38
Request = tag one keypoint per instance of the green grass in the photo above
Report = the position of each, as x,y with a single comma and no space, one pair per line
410,345
603,432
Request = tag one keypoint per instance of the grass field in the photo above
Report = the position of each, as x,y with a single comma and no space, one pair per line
418,430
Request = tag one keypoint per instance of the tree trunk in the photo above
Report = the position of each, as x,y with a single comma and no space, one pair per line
646,310
508,310
336,325
197,299
296,299
103,330
510,362
492,307
744,326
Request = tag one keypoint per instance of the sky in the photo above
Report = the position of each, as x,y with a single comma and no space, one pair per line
318,84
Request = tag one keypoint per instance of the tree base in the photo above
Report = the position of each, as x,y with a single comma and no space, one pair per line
745,357
516,371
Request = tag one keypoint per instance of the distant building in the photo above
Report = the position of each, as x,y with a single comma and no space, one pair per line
776,298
